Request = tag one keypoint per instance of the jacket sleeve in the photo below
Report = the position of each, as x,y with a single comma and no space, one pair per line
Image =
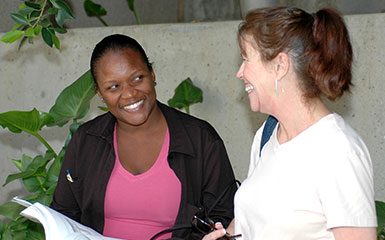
64,198
218,176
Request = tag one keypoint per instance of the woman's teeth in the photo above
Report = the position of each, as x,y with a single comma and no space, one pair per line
249,88
133,106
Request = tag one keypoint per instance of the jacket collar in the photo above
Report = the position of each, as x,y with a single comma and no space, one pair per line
179,138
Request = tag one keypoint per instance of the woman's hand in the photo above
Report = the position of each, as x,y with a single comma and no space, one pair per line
220,232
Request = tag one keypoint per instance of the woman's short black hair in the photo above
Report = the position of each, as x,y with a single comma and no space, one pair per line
116,42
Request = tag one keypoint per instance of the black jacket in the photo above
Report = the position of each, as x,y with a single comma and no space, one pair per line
196,154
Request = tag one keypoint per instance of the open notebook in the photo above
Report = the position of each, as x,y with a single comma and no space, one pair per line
56,225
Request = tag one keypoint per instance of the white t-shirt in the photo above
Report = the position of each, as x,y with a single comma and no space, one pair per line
299,190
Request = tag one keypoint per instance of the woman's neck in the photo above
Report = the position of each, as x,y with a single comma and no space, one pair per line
155,122
298,117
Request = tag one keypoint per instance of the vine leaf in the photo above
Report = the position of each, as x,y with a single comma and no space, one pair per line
31,122
93,9
12,36
186,94
74,101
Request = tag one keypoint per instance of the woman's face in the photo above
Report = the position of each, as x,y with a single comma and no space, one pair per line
258,79
127,86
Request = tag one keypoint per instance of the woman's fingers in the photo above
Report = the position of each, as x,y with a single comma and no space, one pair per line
220,232
218,225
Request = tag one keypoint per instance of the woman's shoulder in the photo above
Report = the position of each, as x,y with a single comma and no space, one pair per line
339,139
97,125
336,129
177,119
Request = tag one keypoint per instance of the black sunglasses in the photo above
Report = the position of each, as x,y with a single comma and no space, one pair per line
201,220
204,224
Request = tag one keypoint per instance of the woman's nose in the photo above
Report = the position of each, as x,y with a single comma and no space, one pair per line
128,91
240,72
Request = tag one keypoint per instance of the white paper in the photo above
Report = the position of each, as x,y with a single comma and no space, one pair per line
56,225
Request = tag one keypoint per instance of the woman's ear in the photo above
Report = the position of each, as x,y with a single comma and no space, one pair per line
153,76
281,65
98,92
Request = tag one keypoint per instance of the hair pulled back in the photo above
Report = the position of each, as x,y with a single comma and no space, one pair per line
317,44
116,42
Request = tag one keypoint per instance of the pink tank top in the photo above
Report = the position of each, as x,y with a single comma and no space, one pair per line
139,206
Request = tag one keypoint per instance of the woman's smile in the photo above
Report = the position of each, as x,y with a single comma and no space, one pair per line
134,106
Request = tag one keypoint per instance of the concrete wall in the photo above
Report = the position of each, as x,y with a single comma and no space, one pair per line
209,55
172,11
149,11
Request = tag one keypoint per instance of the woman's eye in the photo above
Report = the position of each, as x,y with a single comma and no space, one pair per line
138,78
113,86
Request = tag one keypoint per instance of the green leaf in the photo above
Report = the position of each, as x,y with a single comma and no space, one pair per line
32,184
16,26
12,36
26,10
7,235
105,109
55,40
380,209
23,163
19,18
19,226
38,29
30,32
73,127
35,231
21,7
74,101
93,9
60,30
54,170
11,210
45,22
47,37
35,168
53,11
32,5
30,122
65,8
64,12
131,4
60,18
34,16
186,94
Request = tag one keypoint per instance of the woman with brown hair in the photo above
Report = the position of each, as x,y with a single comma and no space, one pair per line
313,177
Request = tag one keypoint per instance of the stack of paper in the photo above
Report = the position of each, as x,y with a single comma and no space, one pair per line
56,225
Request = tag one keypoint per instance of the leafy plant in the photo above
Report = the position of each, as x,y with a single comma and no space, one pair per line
96,10
35,18
39,174
380,209
186,93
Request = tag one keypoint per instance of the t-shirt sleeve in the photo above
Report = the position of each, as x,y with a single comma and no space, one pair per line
346,188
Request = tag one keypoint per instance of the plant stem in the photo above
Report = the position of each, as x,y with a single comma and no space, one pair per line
41,14
136,15
41,184
101,19
42,140
187,110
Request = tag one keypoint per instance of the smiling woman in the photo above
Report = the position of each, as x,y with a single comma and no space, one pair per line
292,60
142,167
